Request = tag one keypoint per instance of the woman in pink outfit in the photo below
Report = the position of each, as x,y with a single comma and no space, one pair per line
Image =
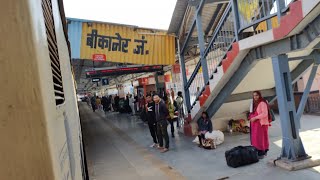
259,122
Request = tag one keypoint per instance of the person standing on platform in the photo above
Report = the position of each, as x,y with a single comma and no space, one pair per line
141,102
116,103
98,103
171,117
136,103
179,101
112,102
131,103
260,119
161,113
151,118
127,105
93,103
109,103
104,102
172,94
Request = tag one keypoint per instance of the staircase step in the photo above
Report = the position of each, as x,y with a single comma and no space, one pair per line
204,96
213,83
195,109
230,56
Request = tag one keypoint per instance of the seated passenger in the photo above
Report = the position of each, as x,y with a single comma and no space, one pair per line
204,126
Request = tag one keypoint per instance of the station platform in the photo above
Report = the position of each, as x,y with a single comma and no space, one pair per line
117,147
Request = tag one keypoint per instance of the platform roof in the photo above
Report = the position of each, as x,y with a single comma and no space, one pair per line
184,15
85,84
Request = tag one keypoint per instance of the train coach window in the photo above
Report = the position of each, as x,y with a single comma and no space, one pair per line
53,51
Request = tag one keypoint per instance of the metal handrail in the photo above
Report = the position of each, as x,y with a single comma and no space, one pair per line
267,10
193,75
256,22
219,26
215,34
216,37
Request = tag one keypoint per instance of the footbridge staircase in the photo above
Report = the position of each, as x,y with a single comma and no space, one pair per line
262,45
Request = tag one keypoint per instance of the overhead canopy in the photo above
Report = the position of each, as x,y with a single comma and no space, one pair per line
84,84
112,71
120,43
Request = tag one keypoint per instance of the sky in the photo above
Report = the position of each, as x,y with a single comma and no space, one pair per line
143,13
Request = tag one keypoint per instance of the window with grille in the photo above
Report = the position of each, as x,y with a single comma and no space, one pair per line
53,51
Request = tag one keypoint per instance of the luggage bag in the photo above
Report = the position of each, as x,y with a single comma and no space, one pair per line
241,155
209,144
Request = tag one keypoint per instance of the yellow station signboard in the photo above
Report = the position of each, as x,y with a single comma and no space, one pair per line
126,44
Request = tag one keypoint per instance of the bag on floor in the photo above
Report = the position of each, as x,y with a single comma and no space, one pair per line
216,135
208,144
241,155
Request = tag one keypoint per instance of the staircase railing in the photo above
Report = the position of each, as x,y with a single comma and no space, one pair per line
220,43
240,19
251,13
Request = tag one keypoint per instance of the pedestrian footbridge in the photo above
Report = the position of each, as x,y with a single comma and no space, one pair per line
242,46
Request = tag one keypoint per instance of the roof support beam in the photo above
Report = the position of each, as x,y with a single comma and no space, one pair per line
198,12
188,37
186,93
214,16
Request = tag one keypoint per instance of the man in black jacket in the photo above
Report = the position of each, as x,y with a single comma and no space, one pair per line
116,102
104,102
161,113
151,118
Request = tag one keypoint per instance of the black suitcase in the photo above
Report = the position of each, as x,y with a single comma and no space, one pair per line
241,155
